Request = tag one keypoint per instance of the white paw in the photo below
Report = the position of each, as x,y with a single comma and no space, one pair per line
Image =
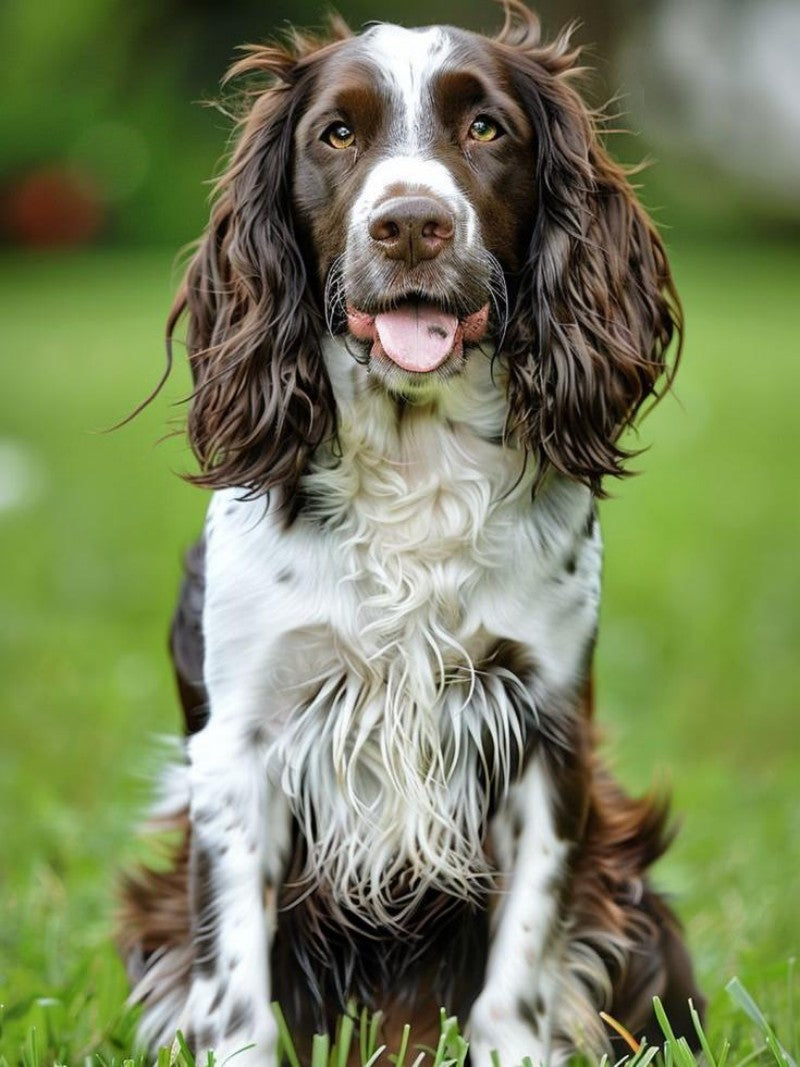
232,1029
245,1050
514,1039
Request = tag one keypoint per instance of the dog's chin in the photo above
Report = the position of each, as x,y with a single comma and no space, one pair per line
415,347
415,387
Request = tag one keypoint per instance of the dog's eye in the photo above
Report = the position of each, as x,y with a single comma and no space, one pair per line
339,135
484,129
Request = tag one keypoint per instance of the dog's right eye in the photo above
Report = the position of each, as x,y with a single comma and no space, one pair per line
339,135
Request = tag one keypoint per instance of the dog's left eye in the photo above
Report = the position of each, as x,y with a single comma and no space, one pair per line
339,135
484,129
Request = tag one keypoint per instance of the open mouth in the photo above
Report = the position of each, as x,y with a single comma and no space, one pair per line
417,335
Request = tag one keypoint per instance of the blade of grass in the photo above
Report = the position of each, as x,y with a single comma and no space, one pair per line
623,1032
741,997
238,1052
444,1026
645,1056
400,1059
374,1027
754,1055
376,1055
362,1037
711,1059
185,1052
30,1051
687,1056
285,1043
320,1047
452,1048
664,1023
677,1051
344,1038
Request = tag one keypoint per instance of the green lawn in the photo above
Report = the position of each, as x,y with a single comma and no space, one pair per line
697,660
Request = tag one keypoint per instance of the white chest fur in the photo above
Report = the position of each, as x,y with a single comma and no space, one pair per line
354,644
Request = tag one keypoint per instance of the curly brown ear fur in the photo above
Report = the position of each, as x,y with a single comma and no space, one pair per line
596,307
262,401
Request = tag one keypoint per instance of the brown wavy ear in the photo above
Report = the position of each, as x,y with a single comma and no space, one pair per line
596,306
262,401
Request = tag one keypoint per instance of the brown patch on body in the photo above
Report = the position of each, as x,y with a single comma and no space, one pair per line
154,917
611,893
154,909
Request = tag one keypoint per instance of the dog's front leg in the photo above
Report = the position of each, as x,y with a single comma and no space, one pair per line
239,841
514,1011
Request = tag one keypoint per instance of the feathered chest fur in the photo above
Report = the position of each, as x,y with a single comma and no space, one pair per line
400,613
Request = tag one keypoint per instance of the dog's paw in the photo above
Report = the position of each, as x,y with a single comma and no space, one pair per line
228,1027
514,1039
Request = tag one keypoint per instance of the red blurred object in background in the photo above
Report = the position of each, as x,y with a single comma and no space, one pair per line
54,206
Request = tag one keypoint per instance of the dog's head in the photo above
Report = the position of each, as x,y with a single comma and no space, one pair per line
422,191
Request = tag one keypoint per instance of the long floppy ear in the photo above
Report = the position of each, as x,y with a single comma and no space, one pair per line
596,307
262,401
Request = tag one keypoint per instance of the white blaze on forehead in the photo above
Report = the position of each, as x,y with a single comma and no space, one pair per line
407,60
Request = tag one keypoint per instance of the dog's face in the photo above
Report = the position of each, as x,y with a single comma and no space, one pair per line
414,176
416,192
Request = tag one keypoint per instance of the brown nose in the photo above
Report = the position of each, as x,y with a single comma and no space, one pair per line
411,228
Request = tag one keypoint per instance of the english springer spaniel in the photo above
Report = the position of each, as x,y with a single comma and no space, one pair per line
426,306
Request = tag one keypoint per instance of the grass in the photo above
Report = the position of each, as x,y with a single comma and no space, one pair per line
697,663
356,1040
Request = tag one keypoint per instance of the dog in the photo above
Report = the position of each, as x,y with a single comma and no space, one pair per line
426,306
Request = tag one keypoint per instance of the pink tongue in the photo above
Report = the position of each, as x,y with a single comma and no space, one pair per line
416,337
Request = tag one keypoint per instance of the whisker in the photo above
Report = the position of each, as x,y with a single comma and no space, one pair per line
333,297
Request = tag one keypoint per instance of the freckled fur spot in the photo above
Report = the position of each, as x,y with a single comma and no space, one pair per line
529,1015
239,1019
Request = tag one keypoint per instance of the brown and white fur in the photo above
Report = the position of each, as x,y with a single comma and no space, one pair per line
384,641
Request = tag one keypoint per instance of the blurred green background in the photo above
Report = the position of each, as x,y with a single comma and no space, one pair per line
105,152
